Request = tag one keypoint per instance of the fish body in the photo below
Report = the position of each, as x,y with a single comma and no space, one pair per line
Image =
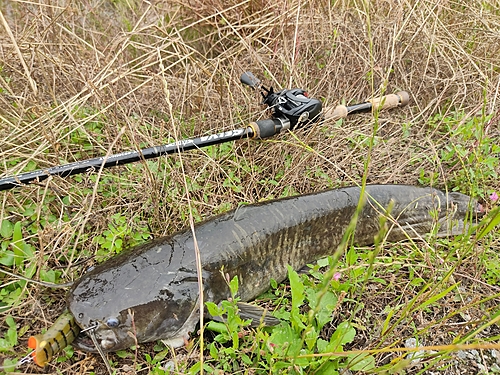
151,291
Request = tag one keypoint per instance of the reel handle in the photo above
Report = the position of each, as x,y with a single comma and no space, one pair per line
249,79
399,99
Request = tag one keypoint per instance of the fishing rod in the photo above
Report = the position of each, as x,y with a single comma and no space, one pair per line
290,109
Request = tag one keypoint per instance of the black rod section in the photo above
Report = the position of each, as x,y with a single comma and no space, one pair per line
124,157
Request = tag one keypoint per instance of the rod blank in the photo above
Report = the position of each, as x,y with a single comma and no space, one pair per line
259,129
126,157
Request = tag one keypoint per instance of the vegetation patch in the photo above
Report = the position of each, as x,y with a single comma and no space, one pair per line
84,79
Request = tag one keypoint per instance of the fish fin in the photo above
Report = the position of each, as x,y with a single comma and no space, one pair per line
257,314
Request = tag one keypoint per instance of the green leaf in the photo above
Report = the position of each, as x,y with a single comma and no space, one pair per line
13,297
233,286
217,327
280,365
494,221
5,345
197,367
343,334
436,297
10,321
29,211
361,362
9,365
6,229
323,305
17,234
282,314
10,339
388,320
122,353
118,244
246,359
285,340
324,262
11,335
311,337
328,368
214,352
18,243
417,281
214,309
236,339
351,256
48,276
160,356
321,345
7,258
297,289
30,271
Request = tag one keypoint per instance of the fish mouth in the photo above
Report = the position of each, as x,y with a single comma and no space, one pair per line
84,342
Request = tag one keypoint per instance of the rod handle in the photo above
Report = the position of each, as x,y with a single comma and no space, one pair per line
399,99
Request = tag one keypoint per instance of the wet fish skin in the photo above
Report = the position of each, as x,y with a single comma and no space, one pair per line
152,290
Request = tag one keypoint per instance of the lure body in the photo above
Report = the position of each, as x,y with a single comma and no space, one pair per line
62,333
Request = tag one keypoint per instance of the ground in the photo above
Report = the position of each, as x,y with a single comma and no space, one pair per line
82,79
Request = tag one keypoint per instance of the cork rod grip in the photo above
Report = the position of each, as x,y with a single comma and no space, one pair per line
399,99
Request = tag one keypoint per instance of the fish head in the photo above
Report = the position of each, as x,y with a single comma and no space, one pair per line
143,296
144,323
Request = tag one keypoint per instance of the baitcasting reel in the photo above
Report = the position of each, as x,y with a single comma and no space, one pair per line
291,108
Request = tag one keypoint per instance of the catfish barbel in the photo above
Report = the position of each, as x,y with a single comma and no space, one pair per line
151,291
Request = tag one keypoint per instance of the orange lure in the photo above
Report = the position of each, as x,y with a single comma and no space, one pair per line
58,336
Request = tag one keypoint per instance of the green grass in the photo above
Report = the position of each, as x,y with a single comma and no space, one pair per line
320,315
100,69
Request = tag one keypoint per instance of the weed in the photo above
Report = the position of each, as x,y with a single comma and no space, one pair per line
70,80
290,345
16,252
470,155
120,235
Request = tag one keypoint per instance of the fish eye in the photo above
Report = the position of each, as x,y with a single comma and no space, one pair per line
112,322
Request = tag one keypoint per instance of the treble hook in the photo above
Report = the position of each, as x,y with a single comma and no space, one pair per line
23,361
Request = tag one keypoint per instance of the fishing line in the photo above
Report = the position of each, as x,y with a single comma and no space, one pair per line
91,333
43,283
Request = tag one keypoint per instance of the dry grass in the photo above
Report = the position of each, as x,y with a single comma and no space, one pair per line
124,64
